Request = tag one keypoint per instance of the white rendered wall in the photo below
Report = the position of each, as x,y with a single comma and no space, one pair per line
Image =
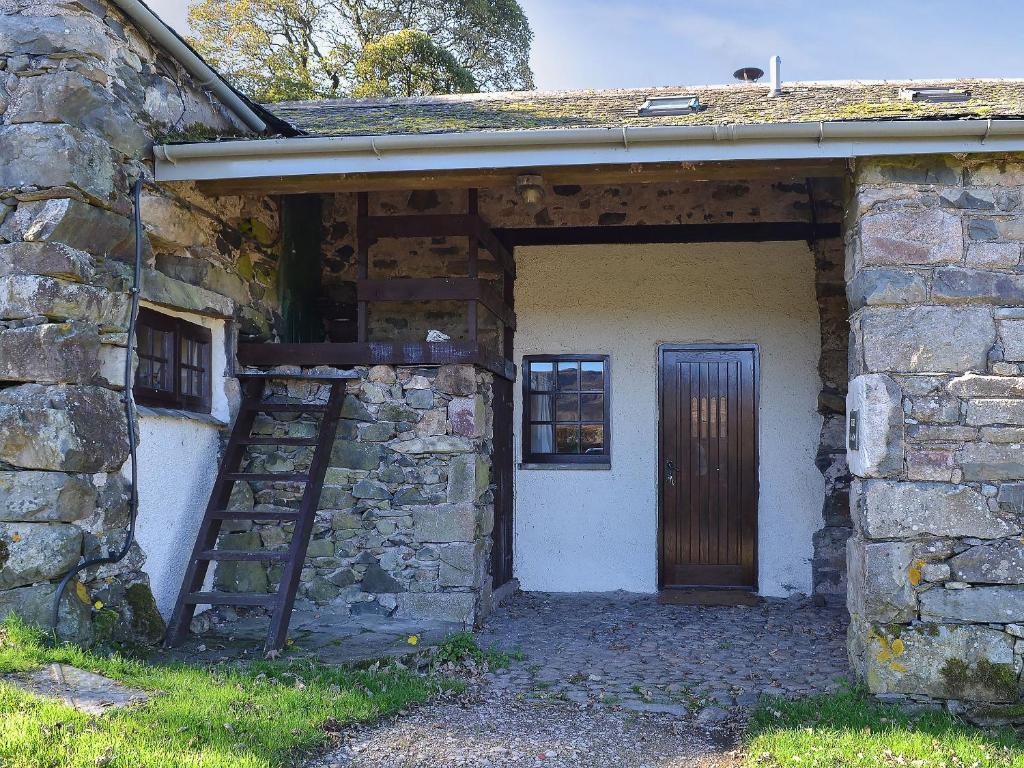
178,458
580,530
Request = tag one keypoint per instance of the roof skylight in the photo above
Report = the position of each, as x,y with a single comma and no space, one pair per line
935,95
656,106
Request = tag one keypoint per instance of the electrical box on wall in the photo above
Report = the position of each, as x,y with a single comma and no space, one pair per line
851,431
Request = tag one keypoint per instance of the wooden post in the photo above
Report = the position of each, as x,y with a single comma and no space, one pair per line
363,256
473,265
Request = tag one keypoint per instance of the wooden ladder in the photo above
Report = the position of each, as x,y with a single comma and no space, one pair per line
204,552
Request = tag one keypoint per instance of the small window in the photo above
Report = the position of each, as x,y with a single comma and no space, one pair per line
566,407
174,363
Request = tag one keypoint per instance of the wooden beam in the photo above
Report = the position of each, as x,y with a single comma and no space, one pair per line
363,269
427,225
436,289
489,178
668,233
375,353
494,246
473,265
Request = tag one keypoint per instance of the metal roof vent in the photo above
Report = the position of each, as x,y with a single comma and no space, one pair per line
670,105
935,95
748,74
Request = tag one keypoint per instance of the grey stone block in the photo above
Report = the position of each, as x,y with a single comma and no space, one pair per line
909,237
352,455
972,385
33,552
915,664
881,287
927,338
992,411
45,497
442,523
991,463
48,259
955,285
879,583
1001,562
24,296
458,607
52,352
878,403
891,509
977,605
64,428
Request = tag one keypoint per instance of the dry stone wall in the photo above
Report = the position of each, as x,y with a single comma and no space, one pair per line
83,95
407,507
936,565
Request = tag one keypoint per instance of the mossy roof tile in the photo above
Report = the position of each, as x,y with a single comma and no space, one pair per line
739,103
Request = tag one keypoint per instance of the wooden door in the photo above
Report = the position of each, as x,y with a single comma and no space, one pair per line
501,536
708,477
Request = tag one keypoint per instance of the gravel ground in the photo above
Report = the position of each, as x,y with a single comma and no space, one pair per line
480,730
616,681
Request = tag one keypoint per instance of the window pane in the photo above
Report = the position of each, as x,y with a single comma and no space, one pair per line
593,438
540,408
567,408
593,375
542,438
592,407
568,376
542,377
567,438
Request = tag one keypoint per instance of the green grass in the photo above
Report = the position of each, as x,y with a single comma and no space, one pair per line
461,647
261,715
848,729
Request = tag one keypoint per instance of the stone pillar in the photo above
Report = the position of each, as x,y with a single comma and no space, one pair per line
405,517
936,563
82,96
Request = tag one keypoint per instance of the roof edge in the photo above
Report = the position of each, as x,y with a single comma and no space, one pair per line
252,115
525,148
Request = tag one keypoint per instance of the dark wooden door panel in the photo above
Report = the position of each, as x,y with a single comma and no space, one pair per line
708,534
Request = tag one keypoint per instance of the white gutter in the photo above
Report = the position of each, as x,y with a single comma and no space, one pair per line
196,67
552,147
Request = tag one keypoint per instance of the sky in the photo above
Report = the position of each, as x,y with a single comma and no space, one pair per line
638,43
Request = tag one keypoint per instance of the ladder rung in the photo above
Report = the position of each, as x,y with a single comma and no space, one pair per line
242,514
278,441
239,554
281,477
290,408
232,598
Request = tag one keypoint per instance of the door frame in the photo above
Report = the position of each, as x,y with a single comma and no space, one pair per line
709,347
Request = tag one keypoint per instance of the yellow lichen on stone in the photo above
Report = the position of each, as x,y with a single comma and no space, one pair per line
82,592
888,651
915,572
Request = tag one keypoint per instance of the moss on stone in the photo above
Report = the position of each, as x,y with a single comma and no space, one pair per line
147,622
197,132
5,553
104,623
986,675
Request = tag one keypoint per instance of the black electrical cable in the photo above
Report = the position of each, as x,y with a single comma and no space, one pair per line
129,411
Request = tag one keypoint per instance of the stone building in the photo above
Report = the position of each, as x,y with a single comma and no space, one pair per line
650,339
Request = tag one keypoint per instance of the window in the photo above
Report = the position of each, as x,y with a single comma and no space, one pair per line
174,363
566,409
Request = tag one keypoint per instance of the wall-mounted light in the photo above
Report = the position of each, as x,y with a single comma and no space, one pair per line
530,188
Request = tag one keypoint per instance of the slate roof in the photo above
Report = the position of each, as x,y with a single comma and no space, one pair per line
739,103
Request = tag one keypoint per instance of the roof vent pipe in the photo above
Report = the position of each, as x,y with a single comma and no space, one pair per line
775,75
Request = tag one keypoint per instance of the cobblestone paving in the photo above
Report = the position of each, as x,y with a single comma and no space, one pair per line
614,680
631,651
